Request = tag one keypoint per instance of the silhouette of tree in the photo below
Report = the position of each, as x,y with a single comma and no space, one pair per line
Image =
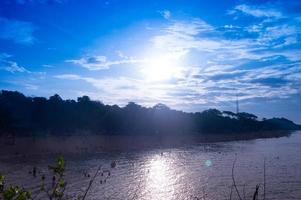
38,115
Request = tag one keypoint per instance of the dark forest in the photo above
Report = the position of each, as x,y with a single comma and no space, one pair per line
21,115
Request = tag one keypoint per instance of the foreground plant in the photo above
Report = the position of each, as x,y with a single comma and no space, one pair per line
57,189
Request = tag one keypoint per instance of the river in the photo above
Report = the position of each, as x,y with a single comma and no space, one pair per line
198,171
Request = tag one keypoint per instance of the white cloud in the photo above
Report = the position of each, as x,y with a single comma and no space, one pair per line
257,11
191,27
13,67
68,76
10,66
165,13
122,55
198,87
275,32
124,89
218,55
48,66
210,41
7,64
101,62
275,35
31,86
18,31
182,36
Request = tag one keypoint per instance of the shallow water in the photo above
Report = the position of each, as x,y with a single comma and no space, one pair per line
202,171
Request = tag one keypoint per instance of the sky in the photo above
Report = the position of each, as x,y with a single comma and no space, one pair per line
188,54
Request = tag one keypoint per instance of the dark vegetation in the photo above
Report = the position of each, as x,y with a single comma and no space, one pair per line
21,115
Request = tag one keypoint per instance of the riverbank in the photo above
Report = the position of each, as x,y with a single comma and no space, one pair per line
99,143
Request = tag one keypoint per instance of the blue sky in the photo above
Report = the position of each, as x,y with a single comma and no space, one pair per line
191,55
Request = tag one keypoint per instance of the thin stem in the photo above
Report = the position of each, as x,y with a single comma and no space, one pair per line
244,191
231,191
233,179
264,179
255,196
91,182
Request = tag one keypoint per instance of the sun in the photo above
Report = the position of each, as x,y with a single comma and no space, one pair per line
160,68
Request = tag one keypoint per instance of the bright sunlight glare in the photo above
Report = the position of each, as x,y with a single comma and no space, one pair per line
161,68
159,178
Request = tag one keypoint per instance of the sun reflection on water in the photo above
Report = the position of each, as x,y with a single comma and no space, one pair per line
160,181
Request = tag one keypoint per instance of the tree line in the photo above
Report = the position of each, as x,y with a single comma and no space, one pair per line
22,115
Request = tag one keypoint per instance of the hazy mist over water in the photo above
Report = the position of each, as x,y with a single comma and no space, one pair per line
179,173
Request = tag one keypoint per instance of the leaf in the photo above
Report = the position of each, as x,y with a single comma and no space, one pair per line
62,183
15,193
2,179
59,167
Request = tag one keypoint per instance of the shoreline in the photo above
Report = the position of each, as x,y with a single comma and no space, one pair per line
83,144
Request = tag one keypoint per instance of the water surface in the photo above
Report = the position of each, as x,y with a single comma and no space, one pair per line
202,171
